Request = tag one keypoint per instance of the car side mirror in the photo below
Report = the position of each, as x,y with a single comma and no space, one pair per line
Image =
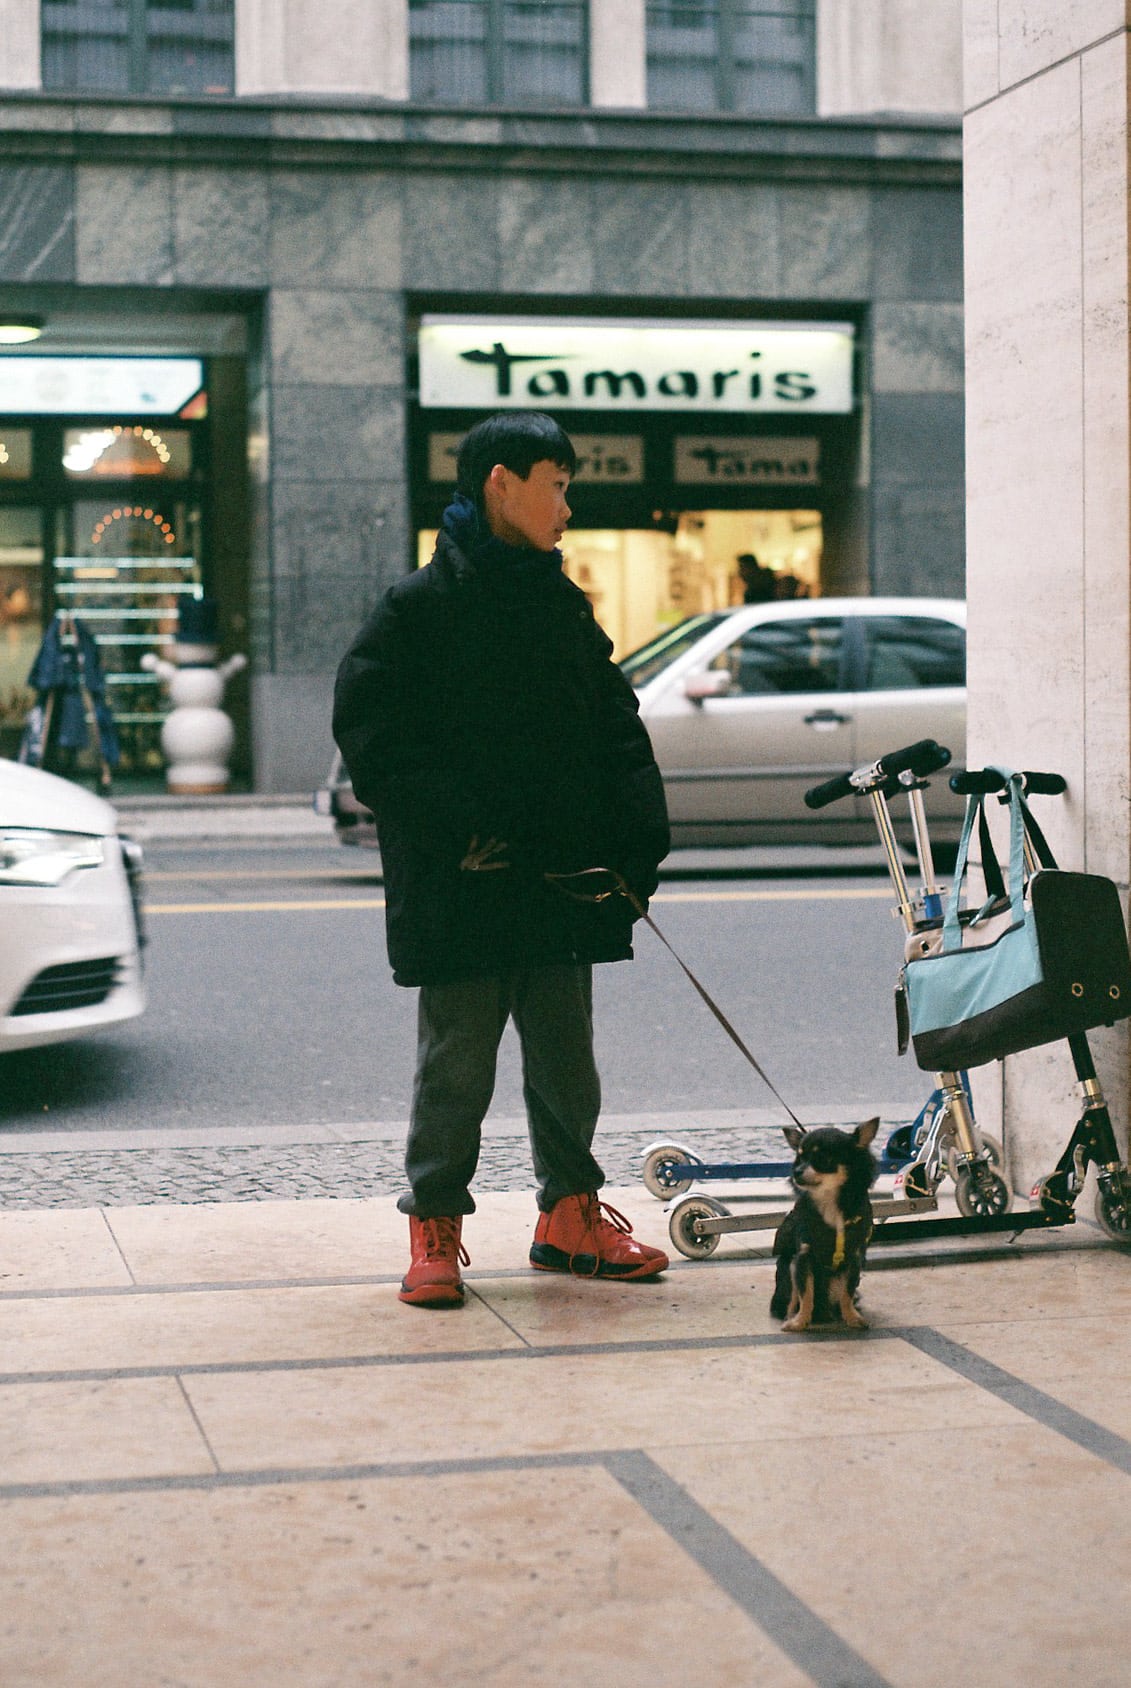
712,682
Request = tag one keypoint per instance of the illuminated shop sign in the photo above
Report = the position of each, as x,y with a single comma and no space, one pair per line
602,459
97,386
495,363
708,460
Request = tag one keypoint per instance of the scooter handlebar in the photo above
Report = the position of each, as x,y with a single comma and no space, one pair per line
820,796
924,757
984,780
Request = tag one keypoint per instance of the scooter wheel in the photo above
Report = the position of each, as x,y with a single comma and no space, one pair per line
681,1227
981,1197
659,1180
1113,1212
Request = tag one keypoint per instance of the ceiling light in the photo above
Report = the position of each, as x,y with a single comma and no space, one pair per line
18,330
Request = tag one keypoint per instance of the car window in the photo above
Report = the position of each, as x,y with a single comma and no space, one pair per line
651,659
785,656
903,652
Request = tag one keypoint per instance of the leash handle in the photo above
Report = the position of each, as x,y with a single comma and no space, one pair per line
621,887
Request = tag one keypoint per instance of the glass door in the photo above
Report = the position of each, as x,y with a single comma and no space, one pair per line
127,554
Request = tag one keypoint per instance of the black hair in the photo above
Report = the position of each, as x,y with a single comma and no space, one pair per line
518,439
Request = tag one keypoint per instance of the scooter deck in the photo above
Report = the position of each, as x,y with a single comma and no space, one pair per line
895,1224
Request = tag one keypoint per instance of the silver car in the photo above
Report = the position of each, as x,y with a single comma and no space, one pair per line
748,708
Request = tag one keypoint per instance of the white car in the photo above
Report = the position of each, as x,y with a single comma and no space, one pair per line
748,708
70,918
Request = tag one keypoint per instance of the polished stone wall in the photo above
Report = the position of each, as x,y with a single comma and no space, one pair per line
1049,456
323,224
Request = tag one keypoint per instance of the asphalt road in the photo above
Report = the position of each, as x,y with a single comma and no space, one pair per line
271,1006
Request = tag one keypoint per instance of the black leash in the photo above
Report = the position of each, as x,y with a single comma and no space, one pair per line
616,886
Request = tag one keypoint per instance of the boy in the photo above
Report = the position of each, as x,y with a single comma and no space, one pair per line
484,724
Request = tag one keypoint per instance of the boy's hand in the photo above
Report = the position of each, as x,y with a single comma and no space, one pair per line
485,857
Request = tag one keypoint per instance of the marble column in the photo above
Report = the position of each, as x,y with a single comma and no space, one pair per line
335,47
19,44
1048,458
617,60
888,55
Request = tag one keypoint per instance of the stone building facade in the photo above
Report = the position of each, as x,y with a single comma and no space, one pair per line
294,234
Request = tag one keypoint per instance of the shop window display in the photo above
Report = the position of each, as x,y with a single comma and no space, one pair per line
15,454
124,566
641,580
21,617
126,452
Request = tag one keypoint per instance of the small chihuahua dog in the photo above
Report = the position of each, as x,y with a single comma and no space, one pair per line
820,1245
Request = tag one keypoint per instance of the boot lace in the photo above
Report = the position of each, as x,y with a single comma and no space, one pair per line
441,1239
603,1217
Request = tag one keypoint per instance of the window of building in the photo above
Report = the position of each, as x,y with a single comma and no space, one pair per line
499,52
756,56
139,46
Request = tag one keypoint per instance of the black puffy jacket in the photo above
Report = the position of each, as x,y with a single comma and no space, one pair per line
480,702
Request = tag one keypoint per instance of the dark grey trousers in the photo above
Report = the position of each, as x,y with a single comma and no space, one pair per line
459,1028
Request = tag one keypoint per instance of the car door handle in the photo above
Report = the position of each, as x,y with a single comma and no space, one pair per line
823,718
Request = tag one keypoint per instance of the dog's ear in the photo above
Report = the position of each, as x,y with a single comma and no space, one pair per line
795,1135
865,1133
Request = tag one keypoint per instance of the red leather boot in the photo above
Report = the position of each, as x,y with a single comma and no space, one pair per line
433,1279
592,1240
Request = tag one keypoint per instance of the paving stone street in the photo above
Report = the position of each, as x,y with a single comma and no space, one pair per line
135,1174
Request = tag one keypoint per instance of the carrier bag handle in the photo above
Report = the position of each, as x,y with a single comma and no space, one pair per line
983,781
951,930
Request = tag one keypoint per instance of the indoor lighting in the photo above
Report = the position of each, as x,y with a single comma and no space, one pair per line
18,330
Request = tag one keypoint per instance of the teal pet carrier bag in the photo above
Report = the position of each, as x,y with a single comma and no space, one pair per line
1040,962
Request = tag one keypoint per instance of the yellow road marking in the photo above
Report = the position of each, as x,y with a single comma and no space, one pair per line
831,893
264,908
263,873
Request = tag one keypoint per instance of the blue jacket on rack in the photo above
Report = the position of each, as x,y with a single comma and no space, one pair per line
64,669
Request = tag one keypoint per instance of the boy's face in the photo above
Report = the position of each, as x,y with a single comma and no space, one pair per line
531,511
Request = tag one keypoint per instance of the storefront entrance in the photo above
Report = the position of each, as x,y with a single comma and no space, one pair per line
717,461
103,514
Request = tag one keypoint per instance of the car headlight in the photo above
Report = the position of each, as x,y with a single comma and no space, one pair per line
29,856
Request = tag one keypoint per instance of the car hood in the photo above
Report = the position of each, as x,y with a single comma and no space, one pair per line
29,797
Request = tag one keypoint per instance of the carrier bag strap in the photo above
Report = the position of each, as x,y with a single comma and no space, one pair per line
952,931
991,867
1040,842
614,883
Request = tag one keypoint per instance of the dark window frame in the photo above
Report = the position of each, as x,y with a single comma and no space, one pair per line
143,25
496,43
725,61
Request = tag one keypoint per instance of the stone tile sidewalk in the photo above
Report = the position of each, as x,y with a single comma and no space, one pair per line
229,1455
